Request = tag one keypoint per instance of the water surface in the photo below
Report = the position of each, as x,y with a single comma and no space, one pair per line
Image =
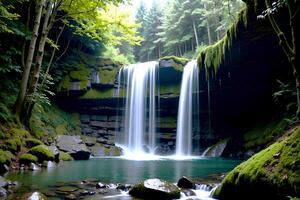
117,170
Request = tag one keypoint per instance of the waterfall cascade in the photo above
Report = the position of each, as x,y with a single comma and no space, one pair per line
139,119
188,105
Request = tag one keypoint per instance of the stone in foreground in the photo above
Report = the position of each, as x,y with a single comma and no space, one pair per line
155,189
185,183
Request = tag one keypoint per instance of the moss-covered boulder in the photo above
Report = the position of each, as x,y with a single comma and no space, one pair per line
32,142
173,61
65,156
273,173
155,189
27,158
42,152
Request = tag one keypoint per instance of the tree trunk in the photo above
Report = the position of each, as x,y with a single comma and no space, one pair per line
195,32
26,29
26,71
208,28
48,22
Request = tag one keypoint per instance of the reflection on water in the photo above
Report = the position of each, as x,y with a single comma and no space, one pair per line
116,170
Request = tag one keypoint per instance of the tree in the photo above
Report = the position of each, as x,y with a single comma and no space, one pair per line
88,18
287,36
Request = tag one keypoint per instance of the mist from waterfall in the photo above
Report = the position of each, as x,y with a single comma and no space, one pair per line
139,82
188,106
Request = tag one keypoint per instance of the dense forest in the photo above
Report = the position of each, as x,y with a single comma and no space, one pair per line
201,93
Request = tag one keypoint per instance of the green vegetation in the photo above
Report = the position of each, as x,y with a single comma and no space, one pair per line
50,121
27,158
108,75
65,156
273,173
167,89
13,145
182,26
260,136
6,157
42,152
213,56
96,94
32,142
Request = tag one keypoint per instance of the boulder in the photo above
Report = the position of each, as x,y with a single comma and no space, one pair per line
185,183
74,146
216,150
155,189
55,152
3,192
3,168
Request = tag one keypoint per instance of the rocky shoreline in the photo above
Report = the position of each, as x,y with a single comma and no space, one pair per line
94,189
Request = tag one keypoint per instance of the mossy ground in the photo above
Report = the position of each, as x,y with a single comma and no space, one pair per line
97,94
273,173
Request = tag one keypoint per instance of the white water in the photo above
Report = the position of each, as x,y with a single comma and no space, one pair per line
188,103
140,107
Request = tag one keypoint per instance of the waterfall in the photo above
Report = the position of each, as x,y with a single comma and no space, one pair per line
188,105
139,120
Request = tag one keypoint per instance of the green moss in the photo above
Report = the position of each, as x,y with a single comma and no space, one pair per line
51,120
117,152
61,129
213,56
32,142
17,132
27,158
179,62
6,157
42,152
108,75
167,89
274,173
96,94
264,134
13,145
82,75
65,156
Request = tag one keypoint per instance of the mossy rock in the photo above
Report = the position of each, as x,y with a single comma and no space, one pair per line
273,173
27,158
22,133
42,152
65,156
13,145
6,157
32,142
61,129
179,63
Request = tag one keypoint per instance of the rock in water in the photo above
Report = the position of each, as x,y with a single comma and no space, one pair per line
74,146
36,196
184,182
155,189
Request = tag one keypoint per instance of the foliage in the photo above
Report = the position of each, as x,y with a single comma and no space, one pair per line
5,157
260,136
42,152
5,16
28,158
13,145
183,25
32,142
52,120
273,173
